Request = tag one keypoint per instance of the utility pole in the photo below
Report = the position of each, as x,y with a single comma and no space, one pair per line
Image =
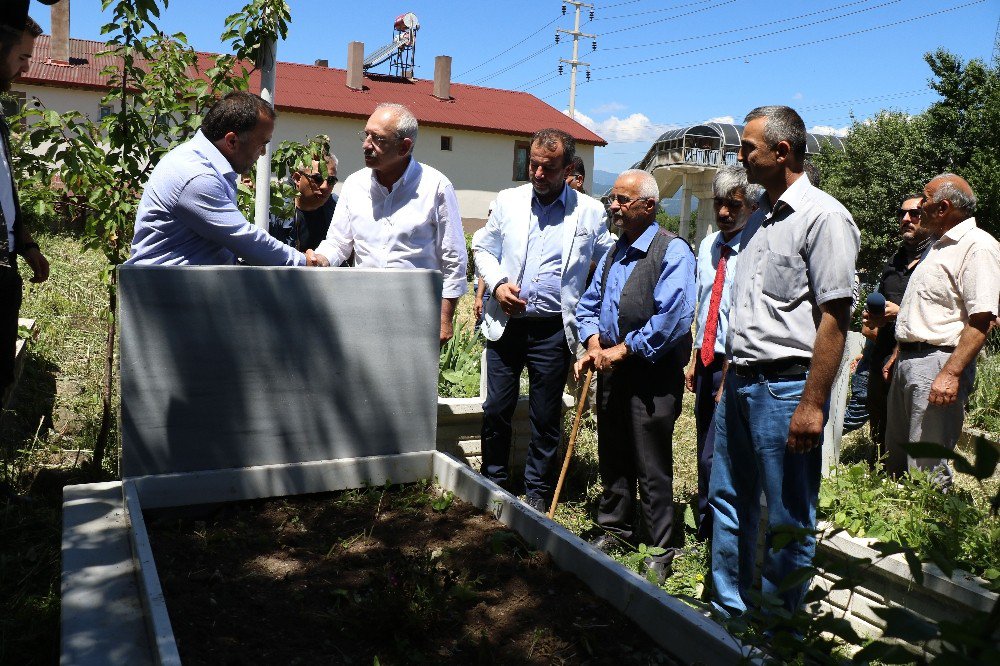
575,62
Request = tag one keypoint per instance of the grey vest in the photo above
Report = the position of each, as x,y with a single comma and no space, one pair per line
636,304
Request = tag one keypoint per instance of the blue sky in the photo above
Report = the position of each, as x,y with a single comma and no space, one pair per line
659,63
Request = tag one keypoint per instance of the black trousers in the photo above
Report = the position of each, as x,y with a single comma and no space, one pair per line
706,383
878,394
541,345
637,407
10,305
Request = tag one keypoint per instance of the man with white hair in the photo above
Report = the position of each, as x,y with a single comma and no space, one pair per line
946,313
398,213
635,320
734,200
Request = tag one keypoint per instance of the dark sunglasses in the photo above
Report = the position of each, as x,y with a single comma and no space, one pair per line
914,213
317,179
620,198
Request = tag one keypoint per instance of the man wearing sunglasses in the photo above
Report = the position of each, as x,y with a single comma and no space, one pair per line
635,321
534,255
734,200
315,204
398,213
945,314
916,239
791,304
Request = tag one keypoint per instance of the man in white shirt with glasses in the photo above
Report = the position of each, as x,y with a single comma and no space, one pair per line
398,213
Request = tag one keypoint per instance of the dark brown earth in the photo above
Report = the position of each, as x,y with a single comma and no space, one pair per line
377,576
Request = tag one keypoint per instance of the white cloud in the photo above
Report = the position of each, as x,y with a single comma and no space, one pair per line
729,120
797,95
634,128
826,129
610,107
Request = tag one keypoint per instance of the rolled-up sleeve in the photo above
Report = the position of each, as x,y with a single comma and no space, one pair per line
339,241
832,246
452,255
207,209
674,295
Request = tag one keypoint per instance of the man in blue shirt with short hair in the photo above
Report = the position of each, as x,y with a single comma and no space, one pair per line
188,213
635,321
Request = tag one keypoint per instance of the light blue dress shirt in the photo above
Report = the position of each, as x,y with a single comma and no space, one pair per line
542,279
709,253
188,215
673,293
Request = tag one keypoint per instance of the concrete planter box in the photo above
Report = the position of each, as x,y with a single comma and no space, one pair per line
459,425
888,583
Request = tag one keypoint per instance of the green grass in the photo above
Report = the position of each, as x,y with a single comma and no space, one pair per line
62,376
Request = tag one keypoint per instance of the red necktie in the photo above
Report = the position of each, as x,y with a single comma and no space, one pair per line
712,323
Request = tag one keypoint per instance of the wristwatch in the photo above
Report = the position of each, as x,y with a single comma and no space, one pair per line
497,285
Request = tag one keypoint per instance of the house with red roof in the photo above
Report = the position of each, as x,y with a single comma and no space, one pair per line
476,136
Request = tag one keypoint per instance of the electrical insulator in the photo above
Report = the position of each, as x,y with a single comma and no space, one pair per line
564,10
593,45
591,14
588,75
560,70
557,38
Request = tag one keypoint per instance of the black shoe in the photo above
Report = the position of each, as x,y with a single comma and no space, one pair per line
605,543
538,504
657,571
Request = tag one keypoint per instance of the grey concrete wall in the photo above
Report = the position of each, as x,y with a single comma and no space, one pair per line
227,367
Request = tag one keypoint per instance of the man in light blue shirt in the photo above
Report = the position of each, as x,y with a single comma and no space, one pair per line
734,200
635,320
188,213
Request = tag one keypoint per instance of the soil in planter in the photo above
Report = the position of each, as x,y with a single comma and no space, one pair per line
400,575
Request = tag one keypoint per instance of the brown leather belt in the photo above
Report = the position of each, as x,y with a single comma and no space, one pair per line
785,367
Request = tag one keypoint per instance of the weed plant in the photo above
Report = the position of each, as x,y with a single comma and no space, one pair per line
914,512
984,403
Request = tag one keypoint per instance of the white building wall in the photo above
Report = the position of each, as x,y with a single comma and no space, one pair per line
479,165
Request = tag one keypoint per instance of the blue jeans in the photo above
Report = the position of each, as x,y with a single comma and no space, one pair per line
751,456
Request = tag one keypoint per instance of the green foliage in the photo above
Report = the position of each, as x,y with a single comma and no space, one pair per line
470,271
458,374
894,154
984,402
950,529
443,502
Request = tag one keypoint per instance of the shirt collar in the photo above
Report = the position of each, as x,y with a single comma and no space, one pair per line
956,232
560,199
792,197
207,149
408,175
642,242
733,243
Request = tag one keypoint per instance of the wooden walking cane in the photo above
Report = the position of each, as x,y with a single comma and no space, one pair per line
572,440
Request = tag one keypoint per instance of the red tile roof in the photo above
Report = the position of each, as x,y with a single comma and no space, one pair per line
323,91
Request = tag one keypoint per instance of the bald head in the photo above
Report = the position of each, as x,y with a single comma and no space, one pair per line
948,200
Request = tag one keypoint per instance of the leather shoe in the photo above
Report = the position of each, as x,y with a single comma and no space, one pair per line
605,543
657,570
537,503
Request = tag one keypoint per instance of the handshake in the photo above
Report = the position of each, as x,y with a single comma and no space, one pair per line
313,259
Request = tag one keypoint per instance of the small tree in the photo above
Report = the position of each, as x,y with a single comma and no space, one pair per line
160,93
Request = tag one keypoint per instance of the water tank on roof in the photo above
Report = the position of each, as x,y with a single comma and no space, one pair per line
407,21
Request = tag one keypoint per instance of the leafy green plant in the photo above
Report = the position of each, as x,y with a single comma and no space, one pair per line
984,403
458,374
443,502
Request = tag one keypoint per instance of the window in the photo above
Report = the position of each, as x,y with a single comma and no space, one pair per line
105,111
446,143
521,155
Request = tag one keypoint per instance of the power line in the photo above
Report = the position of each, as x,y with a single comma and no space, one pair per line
619,4
770,33
669,18
514,65
731,31
779,49
649,11
506,51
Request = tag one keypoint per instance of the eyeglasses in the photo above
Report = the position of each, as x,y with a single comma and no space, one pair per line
914,213
317,179
731,204
380,141
620,198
